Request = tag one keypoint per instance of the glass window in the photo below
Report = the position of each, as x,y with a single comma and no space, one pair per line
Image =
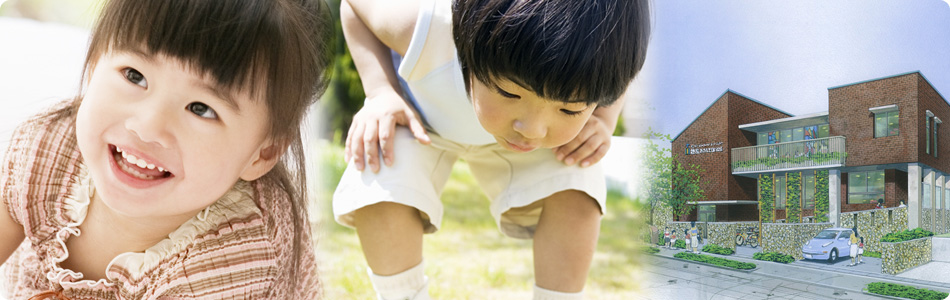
927,134
780,194
798,134
823,131
773,137
892,125
809,191
786,135
935,138
885,124
865,187
763,139
926,199
707,213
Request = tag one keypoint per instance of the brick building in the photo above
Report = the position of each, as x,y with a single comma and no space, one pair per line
880,140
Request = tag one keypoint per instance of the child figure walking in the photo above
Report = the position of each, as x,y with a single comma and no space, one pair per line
124,193
526,92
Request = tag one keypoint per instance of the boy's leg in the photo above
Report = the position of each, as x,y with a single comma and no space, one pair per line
391,237
565,240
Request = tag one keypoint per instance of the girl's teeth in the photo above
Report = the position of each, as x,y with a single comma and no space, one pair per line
141,163
150,167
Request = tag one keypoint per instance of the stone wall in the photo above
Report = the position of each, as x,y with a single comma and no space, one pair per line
789,238
662,215
723,234
874,224
900,257
926,219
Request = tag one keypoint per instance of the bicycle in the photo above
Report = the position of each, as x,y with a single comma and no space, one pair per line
749,236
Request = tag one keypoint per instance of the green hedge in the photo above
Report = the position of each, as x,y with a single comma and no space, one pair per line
773,256
903,291
906,235
712,248
680,244
715,261
872,254
651,250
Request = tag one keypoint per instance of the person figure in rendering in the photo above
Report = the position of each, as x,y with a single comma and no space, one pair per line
687,240
880,203
853,242
666,238
694,236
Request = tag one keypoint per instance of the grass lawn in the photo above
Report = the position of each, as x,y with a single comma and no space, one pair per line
469,258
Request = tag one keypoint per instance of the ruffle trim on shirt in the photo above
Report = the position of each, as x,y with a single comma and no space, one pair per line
237,202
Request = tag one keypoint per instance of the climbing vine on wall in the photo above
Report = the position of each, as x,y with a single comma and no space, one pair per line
793,208
821,196
766,198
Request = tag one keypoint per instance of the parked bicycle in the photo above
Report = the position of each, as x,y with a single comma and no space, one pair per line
749,237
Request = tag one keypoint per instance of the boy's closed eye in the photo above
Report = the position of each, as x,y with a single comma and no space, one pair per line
569,112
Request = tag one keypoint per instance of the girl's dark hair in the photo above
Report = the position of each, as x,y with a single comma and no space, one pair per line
566,50
276,50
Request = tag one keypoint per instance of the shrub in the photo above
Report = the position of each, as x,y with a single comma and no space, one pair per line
872,254
773,256
897,290
659,239
715,260
680,244
906,235
712,248
651,250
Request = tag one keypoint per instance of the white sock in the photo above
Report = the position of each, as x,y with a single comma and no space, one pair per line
545,294
411,284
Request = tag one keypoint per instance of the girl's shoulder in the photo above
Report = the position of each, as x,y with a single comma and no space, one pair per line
41,164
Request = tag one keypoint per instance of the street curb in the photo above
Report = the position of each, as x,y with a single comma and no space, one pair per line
711,265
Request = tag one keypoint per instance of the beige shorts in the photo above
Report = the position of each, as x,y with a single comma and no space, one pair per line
514,182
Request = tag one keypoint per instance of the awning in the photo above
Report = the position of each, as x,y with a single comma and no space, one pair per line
724,202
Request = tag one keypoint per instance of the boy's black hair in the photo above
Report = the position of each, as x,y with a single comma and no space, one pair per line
566,50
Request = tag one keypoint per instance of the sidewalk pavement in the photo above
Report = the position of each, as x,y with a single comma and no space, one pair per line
934,275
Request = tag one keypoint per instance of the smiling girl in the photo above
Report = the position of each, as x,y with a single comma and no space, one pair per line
167,177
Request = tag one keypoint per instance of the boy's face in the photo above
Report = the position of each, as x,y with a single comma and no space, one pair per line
159,141
522,121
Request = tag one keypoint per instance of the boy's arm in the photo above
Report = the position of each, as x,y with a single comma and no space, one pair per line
11,232
371,29
593,141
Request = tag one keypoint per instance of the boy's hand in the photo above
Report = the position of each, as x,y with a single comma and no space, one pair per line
589,146
373,128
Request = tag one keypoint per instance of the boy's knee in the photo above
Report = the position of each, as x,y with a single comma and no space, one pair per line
574,202
387,214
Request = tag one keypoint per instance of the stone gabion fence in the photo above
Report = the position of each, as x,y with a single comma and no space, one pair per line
723,234
789,238
874,224
900,257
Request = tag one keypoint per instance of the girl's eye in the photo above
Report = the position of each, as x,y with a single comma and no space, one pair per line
202,110
136,77
571,112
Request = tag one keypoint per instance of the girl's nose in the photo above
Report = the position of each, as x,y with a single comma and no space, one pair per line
530,128
149,121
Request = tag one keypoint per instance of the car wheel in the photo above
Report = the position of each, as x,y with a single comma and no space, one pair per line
833,256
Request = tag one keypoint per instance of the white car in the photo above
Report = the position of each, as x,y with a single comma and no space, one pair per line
828,244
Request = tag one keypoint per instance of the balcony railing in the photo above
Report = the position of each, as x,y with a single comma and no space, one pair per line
814,153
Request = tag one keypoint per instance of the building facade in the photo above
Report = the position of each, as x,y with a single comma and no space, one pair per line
881,140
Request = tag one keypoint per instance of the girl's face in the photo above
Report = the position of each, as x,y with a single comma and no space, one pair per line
522,121
160,140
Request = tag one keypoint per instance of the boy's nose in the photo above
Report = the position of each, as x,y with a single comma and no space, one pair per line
531,129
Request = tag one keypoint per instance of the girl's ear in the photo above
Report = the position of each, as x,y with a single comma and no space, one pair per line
265,159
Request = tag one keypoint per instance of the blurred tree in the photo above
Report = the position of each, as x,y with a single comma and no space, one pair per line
344,96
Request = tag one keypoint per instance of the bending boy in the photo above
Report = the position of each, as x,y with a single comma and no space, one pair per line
520,78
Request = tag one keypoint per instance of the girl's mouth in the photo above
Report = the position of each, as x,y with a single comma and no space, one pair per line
135,167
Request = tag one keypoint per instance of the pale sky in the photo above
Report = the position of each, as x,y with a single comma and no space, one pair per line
785,53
